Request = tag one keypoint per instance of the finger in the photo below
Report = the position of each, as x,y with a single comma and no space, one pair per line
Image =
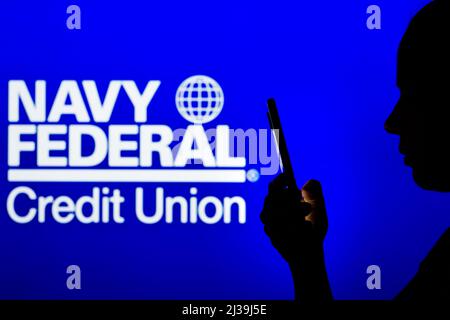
306,207
284,205
264,215
312,193
276,208
279,183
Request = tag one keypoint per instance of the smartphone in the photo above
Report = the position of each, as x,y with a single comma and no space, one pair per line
280,141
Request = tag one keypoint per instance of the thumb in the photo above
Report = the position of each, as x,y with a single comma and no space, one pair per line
312,194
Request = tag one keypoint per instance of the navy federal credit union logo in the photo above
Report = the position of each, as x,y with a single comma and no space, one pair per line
35,130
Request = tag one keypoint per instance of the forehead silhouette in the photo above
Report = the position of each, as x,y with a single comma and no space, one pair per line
423,58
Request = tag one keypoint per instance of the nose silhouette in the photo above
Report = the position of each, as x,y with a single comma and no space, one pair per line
392,123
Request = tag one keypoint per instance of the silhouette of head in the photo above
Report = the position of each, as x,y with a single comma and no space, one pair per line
422,115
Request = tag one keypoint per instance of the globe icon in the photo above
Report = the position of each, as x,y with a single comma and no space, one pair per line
199,99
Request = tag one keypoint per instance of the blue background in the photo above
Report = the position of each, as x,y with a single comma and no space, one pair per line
335,84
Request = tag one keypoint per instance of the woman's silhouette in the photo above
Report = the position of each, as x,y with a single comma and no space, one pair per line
296,223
